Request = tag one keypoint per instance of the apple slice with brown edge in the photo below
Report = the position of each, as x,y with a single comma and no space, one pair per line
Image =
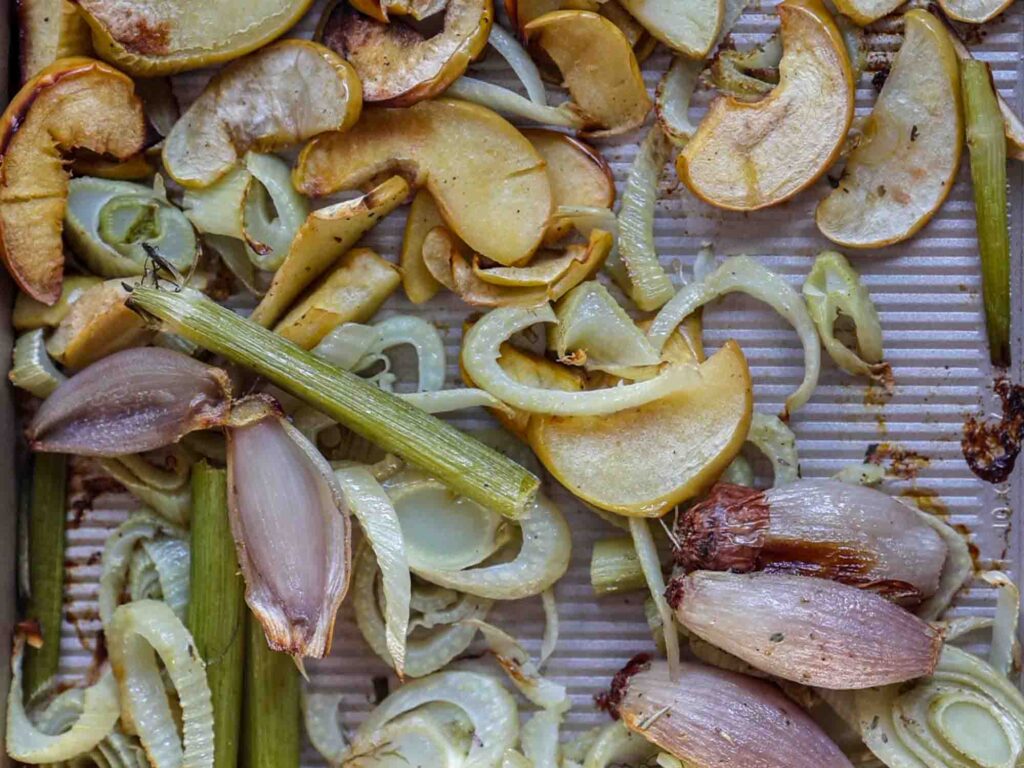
863,12
396,64
383,10
750,155
577,172
322,239
148,38
275,97
488,182
687,26
644,461
904,166
598,66
75,103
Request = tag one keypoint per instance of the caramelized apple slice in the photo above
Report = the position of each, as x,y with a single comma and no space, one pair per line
489,183
749,155
74,103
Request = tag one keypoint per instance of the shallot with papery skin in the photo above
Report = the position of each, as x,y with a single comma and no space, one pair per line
130,402
811,631
291,529
708,717
822,528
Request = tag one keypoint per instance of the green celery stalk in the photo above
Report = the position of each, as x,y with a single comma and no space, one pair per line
465,465
614,567
46,565
986,142
272,710
216,610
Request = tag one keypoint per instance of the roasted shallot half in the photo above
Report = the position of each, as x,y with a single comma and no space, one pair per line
130,402
822,528
811,631
291,529
710,717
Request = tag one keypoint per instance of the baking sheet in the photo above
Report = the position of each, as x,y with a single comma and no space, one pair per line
928,294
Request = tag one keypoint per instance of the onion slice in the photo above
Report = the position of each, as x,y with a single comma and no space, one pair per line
811,631
770,435
491,710
377,517
647,554
130,402
522,670
550,639
424,654
519,60
481,350
28,744
823,528
542,560
710,717
743,274
511,103
320,716
291,530
539,739
136,631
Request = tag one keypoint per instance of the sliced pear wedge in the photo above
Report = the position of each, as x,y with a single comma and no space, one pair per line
278,96
578,174
904,167
690,27
746,156
644,461
75,103
49,30
148,38
323,238
599,68
486,179
396,64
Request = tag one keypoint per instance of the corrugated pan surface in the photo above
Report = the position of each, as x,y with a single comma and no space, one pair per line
928,293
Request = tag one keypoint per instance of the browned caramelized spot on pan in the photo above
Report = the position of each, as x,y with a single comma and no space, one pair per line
902,463
991,449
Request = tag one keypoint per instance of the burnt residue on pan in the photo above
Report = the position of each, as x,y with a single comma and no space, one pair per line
991,448
900,462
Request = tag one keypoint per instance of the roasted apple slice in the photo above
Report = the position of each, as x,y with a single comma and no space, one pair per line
687,26
149,38
418,283
278,96
577,172
863,12
904,167
598,66
383,10
49,30
487,180
74,103
746,156
644,461
396,64
974,11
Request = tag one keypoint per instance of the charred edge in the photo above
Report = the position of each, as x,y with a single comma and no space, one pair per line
610,700
825,560
30,631
991,450
725,532
675,592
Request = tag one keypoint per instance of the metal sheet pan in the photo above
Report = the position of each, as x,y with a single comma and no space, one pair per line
928,293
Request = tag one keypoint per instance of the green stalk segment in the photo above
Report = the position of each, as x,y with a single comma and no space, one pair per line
465,465
614,567
46,565
986,142
272,713
216,610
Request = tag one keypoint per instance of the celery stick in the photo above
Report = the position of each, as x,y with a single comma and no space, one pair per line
465,465
614,567
272,712
46,565
216,611
986,141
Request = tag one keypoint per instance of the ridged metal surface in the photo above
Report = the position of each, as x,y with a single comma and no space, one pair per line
928,293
